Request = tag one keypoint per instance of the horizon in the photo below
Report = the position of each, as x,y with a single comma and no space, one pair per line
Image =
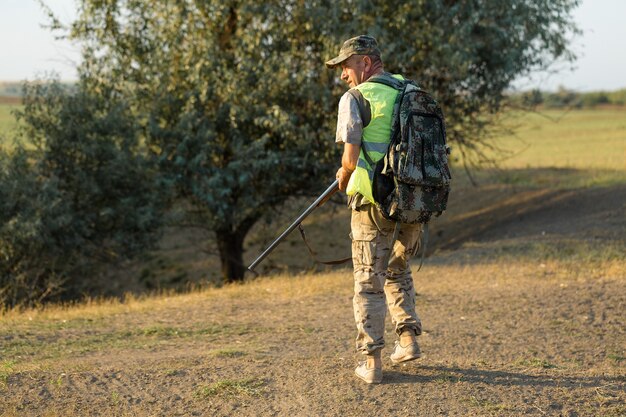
598,67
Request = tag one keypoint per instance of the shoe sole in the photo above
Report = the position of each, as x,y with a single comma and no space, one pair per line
412,358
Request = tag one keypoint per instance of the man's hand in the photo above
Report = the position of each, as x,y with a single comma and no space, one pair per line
343,175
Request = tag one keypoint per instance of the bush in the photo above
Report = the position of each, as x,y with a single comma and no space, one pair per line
27,258
78,192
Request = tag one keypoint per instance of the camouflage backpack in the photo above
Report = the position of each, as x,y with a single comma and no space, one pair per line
412,181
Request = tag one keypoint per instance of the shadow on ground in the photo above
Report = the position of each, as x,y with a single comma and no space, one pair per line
497,378
502,211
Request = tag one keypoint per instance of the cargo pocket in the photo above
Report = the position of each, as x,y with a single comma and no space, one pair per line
363,249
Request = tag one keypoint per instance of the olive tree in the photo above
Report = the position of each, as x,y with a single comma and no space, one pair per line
234,101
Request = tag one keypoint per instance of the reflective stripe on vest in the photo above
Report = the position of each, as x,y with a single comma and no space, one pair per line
376,135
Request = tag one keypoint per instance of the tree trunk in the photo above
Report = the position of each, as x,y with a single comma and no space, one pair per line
230,246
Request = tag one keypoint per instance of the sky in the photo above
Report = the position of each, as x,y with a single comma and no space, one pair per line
29,51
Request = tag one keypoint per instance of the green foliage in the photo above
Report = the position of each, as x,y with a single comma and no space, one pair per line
7,122
26,272
77,192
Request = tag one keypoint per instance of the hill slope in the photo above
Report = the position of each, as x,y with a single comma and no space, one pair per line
522,300
522,305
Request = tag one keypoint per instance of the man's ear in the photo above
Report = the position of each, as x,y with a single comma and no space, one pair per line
368,63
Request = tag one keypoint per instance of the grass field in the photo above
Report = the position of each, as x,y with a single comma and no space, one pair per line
558,148
7,120
522,299
579,139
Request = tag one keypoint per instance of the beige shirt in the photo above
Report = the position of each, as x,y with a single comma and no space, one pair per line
349,123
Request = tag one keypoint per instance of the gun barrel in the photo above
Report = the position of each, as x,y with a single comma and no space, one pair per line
295,224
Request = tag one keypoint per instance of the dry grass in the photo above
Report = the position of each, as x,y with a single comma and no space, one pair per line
286,286
278,286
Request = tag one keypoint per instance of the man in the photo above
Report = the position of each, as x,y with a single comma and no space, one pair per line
382,277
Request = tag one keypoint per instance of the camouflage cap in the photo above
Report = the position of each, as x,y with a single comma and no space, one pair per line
359,45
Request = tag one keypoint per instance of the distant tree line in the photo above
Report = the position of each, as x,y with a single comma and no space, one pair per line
10,89
16,89
561,98
214,113
566,98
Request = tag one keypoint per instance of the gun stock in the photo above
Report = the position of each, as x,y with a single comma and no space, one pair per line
320,200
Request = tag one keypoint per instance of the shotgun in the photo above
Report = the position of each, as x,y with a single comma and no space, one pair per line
320,200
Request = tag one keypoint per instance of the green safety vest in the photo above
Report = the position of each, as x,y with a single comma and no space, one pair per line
376,135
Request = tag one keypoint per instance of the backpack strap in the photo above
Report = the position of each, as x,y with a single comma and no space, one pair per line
394,237
364,106
366,116
424,241
422,246
388,80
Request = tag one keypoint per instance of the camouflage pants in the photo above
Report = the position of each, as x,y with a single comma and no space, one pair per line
377,288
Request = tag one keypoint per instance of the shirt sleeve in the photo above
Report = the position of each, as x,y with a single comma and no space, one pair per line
349,123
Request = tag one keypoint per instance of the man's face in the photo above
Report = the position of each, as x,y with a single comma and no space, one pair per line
354,69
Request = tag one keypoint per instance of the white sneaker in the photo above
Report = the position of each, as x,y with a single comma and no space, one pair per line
405,353
369,375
